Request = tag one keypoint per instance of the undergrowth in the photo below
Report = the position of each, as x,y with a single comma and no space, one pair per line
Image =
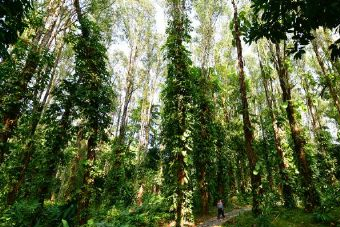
281,217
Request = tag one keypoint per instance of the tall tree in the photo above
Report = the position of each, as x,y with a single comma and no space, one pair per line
247,127
311,196
204,152
326,75
277,133
176,117
24,96
204,135
94,100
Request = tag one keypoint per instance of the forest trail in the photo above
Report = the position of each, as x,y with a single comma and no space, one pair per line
214,222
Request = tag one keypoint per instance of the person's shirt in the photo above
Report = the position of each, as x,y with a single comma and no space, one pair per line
219,205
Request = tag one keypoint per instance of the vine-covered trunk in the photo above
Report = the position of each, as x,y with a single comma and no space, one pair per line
94,77
88,179
270,179
29,149
177,98
203,150
287,190
204,194
13,111
247,128
221,163
311,196
180,191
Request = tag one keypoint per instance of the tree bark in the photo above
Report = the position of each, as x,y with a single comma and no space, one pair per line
311,196
247,128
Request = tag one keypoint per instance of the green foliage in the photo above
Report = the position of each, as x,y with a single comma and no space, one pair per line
12,22
177,118
25,212
322,215
116,188
283,218
94,94
20,214
204,135
298,19
263,221
153,211
65,223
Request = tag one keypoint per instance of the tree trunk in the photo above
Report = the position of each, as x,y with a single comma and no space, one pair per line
204,193
12,114
88,180
247,128
179,191
29,148
128,92
118,117
266,157
311,196
285,180
222,163
329,82
326,169
92,140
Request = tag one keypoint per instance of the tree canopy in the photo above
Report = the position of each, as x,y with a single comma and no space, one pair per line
283,20
163,113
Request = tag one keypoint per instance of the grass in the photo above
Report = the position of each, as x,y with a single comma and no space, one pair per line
282,217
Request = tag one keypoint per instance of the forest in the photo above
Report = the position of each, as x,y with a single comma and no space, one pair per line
127,113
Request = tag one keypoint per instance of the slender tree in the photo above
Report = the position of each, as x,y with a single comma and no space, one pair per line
247,127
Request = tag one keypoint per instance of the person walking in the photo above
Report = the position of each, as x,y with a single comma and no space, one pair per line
220,209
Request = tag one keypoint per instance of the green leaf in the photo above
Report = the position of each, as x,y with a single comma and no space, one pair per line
65,223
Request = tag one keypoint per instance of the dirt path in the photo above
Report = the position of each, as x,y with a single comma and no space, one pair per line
214,222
